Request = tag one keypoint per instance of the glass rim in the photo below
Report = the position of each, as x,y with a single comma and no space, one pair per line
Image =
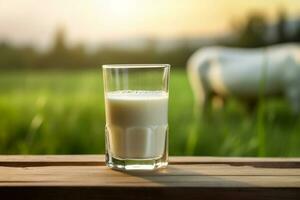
136,66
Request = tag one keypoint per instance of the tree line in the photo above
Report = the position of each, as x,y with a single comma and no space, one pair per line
253,32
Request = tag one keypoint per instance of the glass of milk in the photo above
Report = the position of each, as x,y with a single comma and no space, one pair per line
136,111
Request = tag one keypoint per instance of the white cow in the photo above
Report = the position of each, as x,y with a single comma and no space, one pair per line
246,73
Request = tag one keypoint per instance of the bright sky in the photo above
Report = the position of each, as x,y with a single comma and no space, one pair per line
91,21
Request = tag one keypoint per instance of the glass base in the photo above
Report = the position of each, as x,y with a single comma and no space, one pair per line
118,163
135,164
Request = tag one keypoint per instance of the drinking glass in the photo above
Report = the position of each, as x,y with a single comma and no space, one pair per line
136,112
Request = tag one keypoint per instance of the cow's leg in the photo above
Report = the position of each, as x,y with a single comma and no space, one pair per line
292,90
293,95
203,101
197,73
207,103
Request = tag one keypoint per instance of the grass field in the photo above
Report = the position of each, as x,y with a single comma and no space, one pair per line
63,113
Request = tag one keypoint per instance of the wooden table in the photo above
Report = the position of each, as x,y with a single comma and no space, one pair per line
86,177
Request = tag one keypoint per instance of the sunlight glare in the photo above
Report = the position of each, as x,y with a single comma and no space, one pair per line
122,8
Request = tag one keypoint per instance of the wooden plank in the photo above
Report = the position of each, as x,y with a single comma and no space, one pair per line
51,160
181,175
86,177
175,176
96,160
238,161
172,170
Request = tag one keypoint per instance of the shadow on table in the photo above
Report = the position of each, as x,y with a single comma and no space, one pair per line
186,176
191,182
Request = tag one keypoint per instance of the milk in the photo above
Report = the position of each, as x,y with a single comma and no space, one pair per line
136,123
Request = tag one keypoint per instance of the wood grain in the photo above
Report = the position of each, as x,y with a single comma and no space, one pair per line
79,160
86,177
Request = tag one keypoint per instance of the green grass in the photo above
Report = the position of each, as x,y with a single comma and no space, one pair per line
63,113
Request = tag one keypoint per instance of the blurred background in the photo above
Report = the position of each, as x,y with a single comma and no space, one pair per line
51,52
